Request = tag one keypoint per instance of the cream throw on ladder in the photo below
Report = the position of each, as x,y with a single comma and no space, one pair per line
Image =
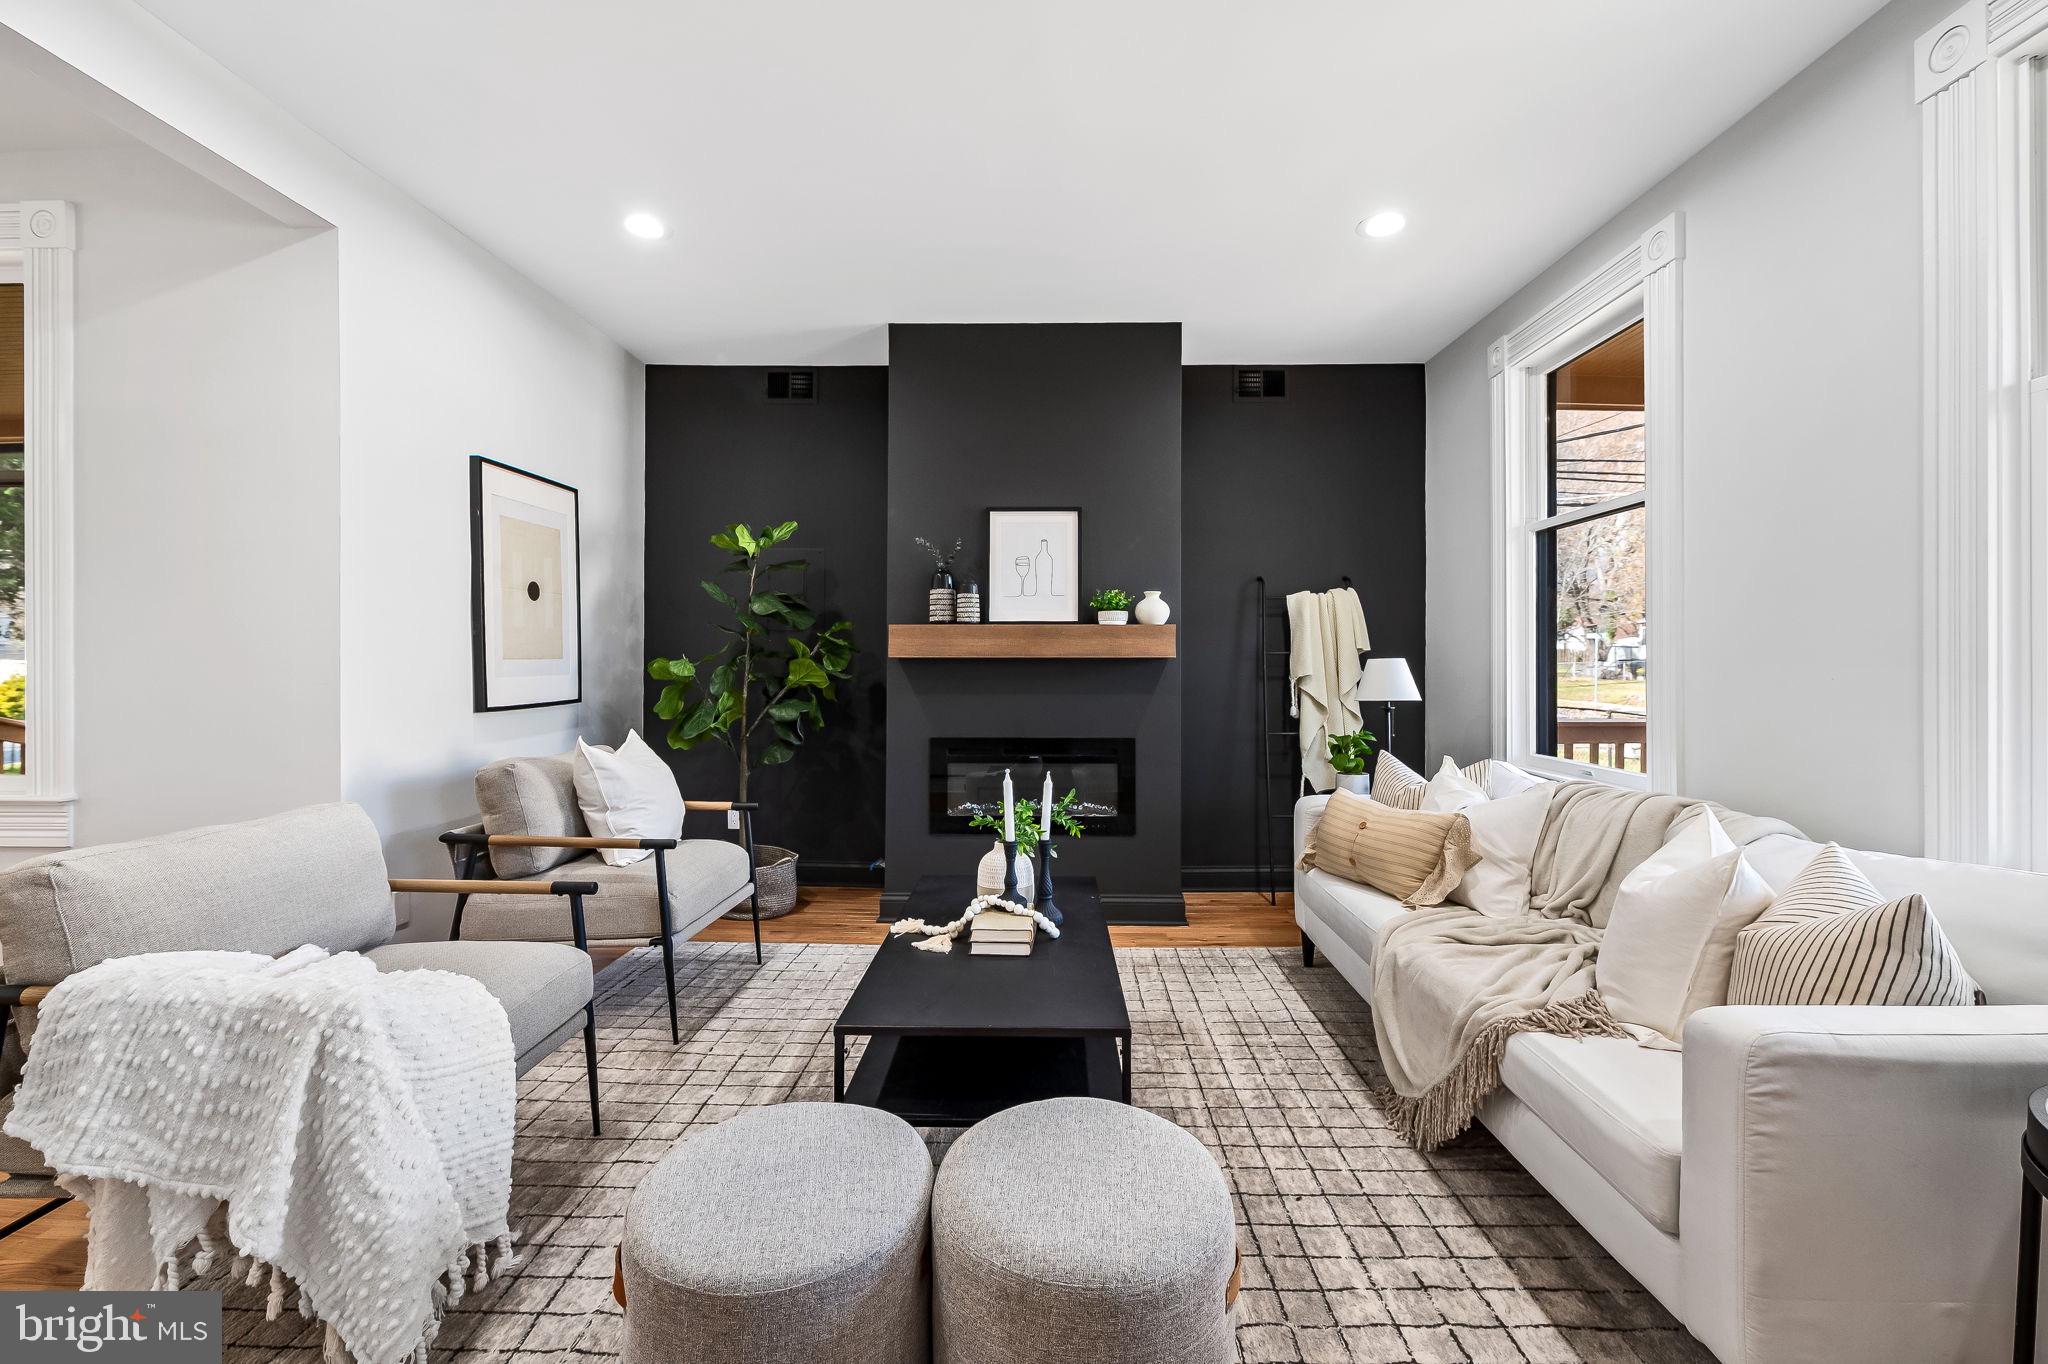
349,1132
1325,636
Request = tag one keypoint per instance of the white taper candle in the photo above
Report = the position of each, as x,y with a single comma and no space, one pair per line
1009,809
1045,808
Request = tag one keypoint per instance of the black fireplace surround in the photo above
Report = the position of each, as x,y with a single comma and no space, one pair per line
967,779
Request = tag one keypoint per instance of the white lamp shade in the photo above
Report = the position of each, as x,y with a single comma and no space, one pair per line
1387,679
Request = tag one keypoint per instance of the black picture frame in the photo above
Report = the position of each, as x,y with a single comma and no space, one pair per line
480,663
991,588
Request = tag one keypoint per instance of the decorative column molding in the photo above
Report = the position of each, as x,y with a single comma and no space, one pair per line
43,233
1980,751
1663,254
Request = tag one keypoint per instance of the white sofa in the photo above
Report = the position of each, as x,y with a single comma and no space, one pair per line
1800,1185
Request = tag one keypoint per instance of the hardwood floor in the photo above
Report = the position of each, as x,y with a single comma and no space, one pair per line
50,1253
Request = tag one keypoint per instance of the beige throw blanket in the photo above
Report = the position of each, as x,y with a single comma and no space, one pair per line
1326,635
1452,986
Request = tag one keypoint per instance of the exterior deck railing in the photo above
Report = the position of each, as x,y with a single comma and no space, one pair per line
1609,742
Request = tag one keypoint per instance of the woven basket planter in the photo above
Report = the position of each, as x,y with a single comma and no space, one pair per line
774,883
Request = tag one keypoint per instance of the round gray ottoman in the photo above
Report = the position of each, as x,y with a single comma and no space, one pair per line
787,1235
1077,1229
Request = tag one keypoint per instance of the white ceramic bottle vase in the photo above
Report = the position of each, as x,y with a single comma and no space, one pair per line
1152,610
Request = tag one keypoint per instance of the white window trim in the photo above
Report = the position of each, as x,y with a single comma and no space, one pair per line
39,238
1985,484
1641,282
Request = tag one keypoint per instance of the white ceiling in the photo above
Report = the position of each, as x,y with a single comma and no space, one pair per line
828,167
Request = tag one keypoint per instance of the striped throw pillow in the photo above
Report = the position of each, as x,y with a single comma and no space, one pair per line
1397,784
1415,857
1832,938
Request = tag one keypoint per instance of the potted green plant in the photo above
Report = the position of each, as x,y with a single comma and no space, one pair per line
1350,755
988,877
1111,605
758,693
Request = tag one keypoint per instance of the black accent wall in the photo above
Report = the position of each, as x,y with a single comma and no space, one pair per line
718,451
1062,415
1304,489
1183,488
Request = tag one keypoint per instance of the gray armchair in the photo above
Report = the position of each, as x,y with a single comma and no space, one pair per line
532,826
314,875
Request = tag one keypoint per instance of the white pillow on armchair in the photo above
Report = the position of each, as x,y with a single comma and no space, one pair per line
630,793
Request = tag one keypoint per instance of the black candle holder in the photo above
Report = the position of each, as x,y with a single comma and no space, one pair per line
1010,871
1045,903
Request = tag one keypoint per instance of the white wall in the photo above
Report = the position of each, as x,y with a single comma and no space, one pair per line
444,352
1802,454
208,531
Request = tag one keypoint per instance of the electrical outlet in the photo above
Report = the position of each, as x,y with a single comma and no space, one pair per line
732,819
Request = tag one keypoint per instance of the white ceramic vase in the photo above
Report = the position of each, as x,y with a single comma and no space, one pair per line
1153,610
988,876
1112,618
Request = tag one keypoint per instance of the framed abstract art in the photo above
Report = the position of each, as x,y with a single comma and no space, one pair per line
525,592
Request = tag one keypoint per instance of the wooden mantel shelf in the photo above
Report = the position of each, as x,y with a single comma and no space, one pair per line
1033,641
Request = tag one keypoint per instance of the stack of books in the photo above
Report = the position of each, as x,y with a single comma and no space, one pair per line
999,933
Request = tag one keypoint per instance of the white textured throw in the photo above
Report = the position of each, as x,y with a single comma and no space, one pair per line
351,1131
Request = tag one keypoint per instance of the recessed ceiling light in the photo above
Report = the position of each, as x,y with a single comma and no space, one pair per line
646,226
1383,224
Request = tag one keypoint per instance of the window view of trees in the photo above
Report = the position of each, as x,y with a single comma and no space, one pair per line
13,551
1593,564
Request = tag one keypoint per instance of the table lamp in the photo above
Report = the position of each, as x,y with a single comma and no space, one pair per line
1387,680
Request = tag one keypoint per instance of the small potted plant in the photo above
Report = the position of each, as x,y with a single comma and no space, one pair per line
1349,754
1111,605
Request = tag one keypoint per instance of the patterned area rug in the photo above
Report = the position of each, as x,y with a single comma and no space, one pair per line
1355,1247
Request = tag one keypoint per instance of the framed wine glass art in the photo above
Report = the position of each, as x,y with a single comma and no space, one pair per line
1034,564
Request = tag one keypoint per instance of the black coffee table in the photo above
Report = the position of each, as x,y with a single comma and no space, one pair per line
953,1037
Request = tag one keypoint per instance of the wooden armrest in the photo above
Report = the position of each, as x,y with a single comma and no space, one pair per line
721,805
434,886
24,995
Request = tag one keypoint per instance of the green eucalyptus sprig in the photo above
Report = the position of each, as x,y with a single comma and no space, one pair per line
1027,822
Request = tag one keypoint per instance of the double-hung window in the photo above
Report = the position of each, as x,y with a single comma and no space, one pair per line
1586,445
1592,629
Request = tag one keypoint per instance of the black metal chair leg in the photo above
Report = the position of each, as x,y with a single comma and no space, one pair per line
589,1014
668,945
1308,950
590,1064
753,875
468,873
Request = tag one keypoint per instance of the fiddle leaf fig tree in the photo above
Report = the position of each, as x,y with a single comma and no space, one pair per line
757,693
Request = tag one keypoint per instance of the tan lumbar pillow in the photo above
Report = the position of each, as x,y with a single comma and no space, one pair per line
1412,856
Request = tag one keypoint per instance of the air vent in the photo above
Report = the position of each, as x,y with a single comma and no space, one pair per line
1260,385
792,385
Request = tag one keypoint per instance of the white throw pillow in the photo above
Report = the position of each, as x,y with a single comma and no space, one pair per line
1670,942
627,794
1504,837
1450,791
1501,779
